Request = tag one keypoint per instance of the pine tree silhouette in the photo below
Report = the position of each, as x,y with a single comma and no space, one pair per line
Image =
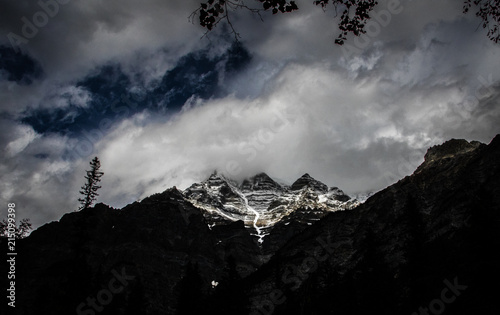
89,190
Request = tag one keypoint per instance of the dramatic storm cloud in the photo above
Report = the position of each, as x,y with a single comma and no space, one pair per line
135,84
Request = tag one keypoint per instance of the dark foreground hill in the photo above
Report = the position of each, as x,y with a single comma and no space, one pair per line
425,245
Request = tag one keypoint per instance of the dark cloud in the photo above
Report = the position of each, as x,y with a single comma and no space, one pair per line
18,67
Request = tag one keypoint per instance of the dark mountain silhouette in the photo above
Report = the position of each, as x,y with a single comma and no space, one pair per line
425,245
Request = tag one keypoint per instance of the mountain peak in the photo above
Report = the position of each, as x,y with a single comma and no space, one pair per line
261,181
262,203
307,180
215,175
450,148
261,177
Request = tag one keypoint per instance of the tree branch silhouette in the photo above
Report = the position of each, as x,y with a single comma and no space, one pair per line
353,19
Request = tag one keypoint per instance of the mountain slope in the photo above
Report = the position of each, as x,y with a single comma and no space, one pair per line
432,232
397,252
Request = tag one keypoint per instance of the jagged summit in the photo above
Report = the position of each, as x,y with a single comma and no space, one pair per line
260,202
451,148
261,181
456,151
307,181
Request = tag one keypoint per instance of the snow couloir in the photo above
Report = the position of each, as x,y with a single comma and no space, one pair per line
260,202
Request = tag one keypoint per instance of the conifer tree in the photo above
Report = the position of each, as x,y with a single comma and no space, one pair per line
89,190
18,232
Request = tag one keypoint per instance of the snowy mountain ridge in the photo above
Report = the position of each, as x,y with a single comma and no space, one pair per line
260,202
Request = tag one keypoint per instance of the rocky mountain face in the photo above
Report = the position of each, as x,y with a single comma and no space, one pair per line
425,245
261,203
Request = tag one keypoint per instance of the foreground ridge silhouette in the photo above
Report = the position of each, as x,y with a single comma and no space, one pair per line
435,231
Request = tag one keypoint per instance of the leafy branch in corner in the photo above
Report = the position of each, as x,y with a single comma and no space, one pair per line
18,232
212,12
489,12
354,18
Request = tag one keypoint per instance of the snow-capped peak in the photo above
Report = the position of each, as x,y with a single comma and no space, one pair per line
307,181
260,202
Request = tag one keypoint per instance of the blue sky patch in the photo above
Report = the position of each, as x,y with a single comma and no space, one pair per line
113,99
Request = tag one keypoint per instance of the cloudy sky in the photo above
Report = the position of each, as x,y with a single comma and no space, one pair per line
134,83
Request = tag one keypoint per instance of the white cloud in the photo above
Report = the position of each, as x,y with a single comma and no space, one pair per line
312,120
23,136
